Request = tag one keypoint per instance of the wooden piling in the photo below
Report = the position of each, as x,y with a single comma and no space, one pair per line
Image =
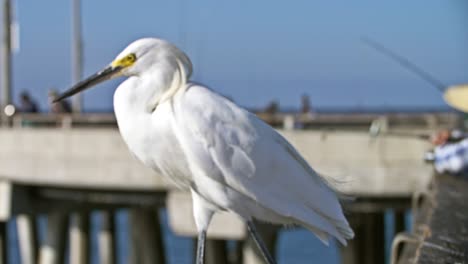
106,238
53,250
377,233
350,254
3,243
399,225
251,253
27,238
368,244
235,256
399,221
146,237
369,241
79,238
216,251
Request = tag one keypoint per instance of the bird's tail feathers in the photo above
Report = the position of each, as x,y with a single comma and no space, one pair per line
336,228
321,235
342,237
335,183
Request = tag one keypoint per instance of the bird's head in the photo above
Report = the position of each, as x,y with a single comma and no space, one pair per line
136,59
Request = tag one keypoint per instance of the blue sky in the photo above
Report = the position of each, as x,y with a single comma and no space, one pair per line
257,51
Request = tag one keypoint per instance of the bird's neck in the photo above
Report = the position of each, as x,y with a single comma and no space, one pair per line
161,86
145,92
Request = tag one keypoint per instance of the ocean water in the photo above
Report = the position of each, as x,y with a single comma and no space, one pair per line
294,245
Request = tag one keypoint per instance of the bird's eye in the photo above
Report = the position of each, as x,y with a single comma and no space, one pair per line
131,58
126,61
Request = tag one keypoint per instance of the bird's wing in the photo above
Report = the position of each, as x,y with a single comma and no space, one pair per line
214,134
238,150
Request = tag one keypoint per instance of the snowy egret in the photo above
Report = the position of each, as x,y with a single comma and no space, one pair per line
227,157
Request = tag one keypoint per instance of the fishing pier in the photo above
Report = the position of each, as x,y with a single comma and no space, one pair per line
67,166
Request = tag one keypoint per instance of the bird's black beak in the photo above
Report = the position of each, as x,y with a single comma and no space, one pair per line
91,81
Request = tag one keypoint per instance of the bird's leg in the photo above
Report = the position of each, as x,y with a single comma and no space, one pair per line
259,242
201,247
202,213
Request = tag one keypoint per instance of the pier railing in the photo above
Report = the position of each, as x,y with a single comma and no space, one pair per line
420,120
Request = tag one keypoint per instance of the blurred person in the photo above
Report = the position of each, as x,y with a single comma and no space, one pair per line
58,107
27,104
447,136
272,108
305,104
450,154
440,138
305,113
268,113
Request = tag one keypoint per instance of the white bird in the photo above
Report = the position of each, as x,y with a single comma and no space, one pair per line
228,158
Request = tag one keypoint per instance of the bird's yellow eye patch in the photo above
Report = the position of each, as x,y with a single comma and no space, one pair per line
125,61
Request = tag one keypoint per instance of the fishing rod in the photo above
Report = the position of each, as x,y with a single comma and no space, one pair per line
441,87
455,96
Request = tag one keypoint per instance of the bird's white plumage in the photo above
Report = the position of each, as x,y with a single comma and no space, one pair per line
230,159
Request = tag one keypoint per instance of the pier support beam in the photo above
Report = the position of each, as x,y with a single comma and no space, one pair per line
53,250
350,254
146,242
27,238
216,251
79,238
3,243
106,238
399,221
399,225
368,245
374,238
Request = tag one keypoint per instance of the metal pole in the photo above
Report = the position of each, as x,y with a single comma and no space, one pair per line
77,58
6,58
